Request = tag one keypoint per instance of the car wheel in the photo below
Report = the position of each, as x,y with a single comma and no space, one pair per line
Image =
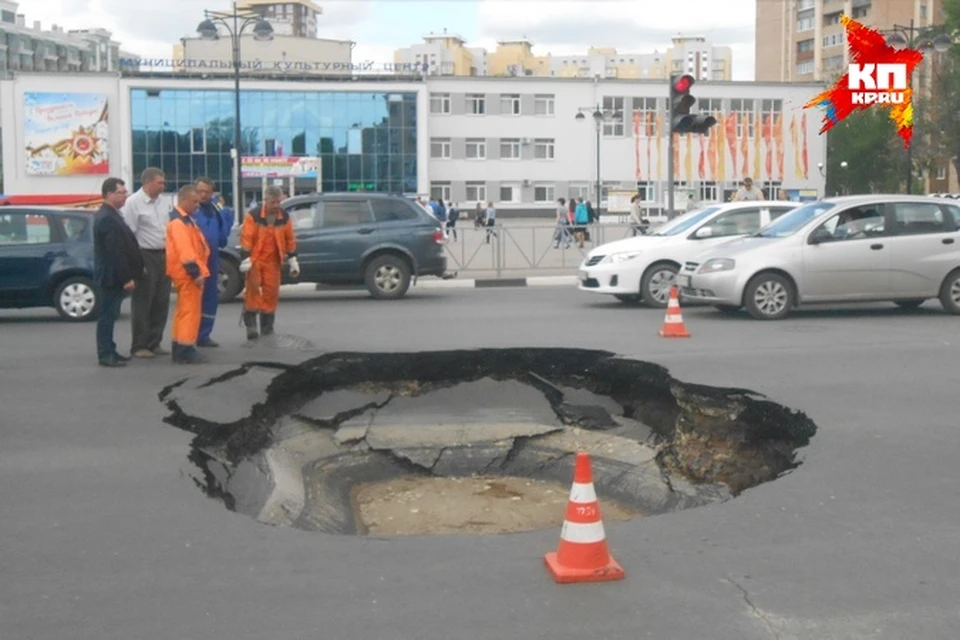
656,283
727,309
950,293
230,282
387,277
627,298
769,297
909,304
76,299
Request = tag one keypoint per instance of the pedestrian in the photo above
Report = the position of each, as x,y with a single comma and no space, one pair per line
478,216
187,259
147,215
561,233
117,266
490,221
636,218
215,223
453,214
581,219
266,242
747,192
440,213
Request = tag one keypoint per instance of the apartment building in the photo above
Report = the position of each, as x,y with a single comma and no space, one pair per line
803,40
517,142
31,48
448,55
294,48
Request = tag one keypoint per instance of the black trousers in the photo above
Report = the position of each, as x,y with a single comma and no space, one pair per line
150,302
110,301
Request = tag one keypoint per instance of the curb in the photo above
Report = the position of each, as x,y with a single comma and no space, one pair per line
457,283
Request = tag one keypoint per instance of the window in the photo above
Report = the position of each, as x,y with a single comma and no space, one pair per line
744,107
304,216
923,12
439,103
832,19
805,46
509,193
606,188
941,173
735,223
543,148
543,104
544,193
647,190
769,188
510,104
345,213
647,109
805,21
853,224
917,218
709,192
510,149
476,104
74,226
476,149
860,12
440,148
477,192
390,210
20,228
711,106
833,40
580,191
198,140
955,212
439,191
613,127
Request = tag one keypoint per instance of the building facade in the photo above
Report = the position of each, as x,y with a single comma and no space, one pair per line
513,141
448,55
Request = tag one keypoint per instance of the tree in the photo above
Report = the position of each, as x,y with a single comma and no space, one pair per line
943,115
867,141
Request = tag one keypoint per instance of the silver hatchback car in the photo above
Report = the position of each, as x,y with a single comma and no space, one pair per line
846,249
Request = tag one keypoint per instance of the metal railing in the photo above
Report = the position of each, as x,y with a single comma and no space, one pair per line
514,250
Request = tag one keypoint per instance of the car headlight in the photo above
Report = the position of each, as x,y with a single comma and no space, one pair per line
717,264
623,256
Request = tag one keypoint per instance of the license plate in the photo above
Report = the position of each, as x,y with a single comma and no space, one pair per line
683,281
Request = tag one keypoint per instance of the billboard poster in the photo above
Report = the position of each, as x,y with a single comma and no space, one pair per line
66,134
279,167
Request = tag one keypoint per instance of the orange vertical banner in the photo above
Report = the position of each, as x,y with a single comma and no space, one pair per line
767,135
660,175
795,142
731,135
636,143
757,134
745,143
702,162
649,131
778,137
803,134
712,142
721,150
688,160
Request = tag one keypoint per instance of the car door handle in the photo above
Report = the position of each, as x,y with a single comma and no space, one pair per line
365,231
876,247
947,241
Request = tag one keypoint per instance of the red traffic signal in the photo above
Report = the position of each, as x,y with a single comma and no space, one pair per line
683,83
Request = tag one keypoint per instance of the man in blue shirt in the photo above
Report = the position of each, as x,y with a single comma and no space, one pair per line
215,223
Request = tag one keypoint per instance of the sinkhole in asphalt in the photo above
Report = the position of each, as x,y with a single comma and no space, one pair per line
472,441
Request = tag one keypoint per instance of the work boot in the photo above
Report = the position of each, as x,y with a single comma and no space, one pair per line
266,324
250,322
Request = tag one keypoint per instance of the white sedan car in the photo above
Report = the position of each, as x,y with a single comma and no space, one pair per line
645,267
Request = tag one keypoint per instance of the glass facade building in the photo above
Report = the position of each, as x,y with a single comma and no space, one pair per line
365,141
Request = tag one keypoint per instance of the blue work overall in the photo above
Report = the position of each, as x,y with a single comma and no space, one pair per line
215,223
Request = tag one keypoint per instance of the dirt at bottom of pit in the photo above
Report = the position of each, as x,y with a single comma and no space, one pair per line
473,505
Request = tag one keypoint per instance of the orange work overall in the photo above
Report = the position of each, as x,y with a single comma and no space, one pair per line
269,246
187,254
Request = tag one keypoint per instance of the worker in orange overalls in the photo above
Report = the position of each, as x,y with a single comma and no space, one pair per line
266,242
187,254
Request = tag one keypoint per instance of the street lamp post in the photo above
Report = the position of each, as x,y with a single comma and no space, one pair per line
925,39
599,117
235,23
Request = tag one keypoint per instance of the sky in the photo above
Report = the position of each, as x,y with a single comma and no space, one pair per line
560,27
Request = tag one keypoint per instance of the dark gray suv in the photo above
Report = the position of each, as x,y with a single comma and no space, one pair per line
378,240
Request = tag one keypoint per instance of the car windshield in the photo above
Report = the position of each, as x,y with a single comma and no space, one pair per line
684,222
789,223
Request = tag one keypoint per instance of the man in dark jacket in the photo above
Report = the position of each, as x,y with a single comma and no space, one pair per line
117,264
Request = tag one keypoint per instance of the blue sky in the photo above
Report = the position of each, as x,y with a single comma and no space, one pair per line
561,27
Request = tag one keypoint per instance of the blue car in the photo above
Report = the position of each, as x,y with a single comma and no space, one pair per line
46,260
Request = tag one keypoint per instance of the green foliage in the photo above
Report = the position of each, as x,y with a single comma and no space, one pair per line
943,116
876,161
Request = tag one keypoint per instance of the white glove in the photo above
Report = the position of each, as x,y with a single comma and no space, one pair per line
246,265
294,267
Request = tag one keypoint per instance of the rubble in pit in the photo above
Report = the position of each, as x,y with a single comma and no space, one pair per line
288,444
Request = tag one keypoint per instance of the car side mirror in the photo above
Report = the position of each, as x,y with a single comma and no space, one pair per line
704,232
820,236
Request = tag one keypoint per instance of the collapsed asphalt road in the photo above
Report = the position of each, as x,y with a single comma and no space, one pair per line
289,444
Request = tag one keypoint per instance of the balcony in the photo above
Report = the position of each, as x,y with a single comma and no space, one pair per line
861,3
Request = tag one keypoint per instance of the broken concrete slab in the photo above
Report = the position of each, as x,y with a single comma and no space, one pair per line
601,444
355,428
473,459
227,401
331,405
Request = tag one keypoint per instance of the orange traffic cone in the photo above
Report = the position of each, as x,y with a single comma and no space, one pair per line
673,326
583,555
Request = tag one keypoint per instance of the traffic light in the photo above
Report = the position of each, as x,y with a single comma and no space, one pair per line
681,120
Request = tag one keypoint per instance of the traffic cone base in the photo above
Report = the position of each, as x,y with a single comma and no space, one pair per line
582,555
673,326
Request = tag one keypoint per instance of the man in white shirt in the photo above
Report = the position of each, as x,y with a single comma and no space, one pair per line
147,215
747,192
